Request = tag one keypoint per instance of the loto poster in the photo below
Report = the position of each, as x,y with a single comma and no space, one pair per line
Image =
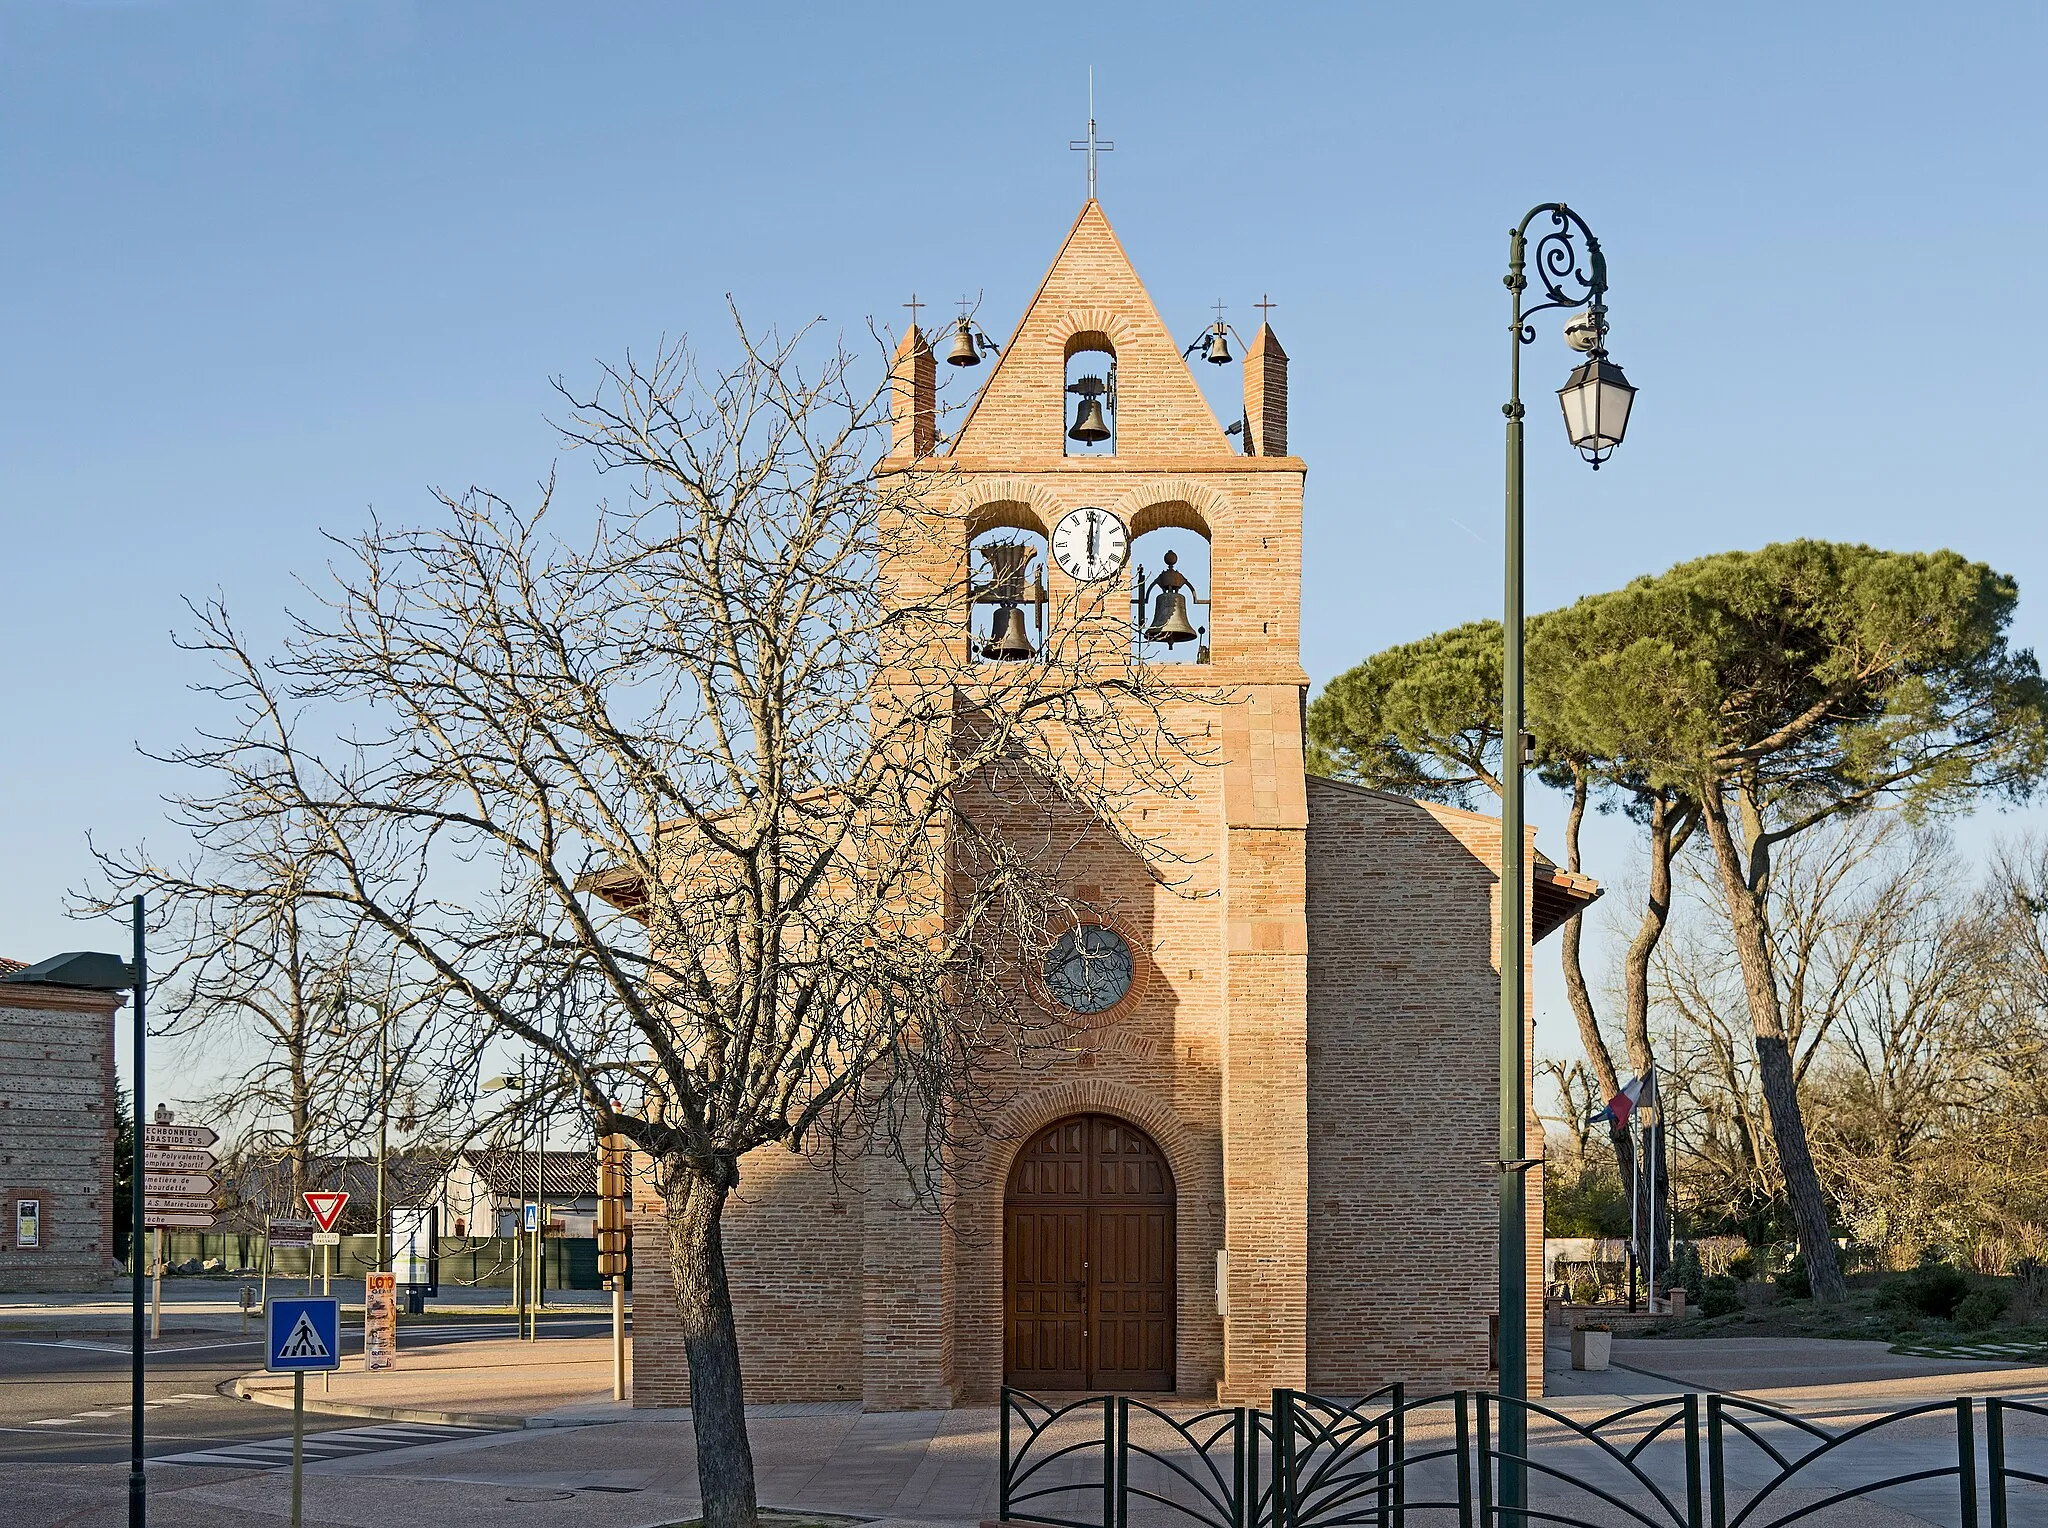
380,1320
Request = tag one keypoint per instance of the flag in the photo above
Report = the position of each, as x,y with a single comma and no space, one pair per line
1637,1093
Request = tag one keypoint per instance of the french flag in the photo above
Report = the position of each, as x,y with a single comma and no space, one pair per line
1637,1093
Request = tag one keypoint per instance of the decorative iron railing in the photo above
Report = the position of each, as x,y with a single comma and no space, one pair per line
1389,1460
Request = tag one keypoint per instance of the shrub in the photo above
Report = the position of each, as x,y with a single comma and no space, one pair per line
1978,1310
1742,1265
1933,1289
1687,1274
1793,1282
1586,1291
1720,1296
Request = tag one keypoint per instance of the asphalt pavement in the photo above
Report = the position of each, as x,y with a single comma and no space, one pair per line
64,1394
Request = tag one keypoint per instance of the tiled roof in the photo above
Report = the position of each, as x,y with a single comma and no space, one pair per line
8,967
263,1189
509,1174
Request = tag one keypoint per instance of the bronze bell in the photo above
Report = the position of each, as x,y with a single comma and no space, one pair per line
1090,423
1007,642
1170,623
964,352
1219,346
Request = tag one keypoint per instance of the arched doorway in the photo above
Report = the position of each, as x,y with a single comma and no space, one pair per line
1088,1261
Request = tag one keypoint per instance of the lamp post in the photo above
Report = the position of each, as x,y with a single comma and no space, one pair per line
1595,399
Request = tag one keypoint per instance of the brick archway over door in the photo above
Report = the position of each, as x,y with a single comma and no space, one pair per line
1088,1260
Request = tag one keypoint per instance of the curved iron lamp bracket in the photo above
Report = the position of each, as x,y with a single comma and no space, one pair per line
1568,282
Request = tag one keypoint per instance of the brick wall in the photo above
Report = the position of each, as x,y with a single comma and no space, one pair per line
793,1241
1404,1023
57,1134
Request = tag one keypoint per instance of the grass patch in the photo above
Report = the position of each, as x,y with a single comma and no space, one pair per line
1863,1317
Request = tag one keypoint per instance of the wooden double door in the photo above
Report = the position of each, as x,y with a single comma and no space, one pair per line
1088,1260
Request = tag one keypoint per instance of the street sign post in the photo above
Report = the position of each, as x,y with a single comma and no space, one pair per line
301,1336
291,1233
177,1159
199,1184
178,1135
185,1220
326,1205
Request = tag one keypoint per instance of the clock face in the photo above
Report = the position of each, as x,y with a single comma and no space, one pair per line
1090,545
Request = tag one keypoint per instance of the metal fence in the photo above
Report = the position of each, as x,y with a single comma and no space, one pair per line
1392,1460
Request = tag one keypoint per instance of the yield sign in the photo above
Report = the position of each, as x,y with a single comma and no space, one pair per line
326,1207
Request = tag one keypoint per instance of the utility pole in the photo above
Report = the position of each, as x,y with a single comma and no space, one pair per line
138,1481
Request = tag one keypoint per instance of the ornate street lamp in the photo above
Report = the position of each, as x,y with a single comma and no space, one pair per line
1596,399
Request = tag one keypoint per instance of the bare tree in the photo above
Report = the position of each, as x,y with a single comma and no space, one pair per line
713,808
256,992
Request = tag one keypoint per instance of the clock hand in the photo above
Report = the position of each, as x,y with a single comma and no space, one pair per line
1091,538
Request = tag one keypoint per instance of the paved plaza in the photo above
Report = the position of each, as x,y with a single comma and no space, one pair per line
548,1445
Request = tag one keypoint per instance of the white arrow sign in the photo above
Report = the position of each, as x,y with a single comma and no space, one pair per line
178,1135
165,1219
178,1204
177,1161
178,1183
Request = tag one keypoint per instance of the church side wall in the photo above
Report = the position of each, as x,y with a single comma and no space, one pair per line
793,1257
1403,1023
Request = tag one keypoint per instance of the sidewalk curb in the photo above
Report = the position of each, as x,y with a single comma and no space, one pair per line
333,1408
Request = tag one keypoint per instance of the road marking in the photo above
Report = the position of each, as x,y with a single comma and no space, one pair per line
276,1453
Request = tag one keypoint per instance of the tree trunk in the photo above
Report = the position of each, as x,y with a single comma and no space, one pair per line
696,1247
1571,939
1744,894
1669,829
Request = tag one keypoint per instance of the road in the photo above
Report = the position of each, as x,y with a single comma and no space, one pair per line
64,1396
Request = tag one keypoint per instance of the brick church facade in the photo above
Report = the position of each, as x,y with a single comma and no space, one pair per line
1274,1163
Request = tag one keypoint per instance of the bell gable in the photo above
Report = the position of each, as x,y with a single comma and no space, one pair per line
1091,299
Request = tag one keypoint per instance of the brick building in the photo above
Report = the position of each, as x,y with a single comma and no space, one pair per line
1272,1161
58,1122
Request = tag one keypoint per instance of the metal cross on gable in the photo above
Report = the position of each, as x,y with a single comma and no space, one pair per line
1091,145
913,305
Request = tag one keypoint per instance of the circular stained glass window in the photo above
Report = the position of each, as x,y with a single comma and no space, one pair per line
1089,969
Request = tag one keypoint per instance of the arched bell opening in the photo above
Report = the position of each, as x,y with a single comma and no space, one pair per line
1170,608
1090,416
1006,594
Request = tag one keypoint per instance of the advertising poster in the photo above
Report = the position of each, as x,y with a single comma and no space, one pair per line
412,1249
380,1320
28,1222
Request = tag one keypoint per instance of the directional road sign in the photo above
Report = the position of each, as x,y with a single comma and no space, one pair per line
291,1233
178,1135
326,1206
179,1204
176,1161
201,1184
175,1220
302,1333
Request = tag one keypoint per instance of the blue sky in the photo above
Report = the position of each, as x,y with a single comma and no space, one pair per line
271,266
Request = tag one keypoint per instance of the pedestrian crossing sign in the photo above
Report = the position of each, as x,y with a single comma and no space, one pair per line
303,1334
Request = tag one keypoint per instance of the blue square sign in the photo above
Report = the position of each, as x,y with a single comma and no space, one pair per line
302,1334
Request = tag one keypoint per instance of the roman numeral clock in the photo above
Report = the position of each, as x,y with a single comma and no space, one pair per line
1090,544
